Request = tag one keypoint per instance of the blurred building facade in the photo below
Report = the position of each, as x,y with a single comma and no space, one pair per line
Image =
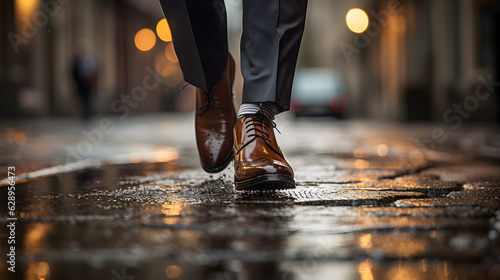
414,62
39,41
416,59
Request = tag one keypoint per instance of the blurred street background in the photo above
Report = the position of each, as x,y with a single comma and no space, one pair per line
393,134
414,61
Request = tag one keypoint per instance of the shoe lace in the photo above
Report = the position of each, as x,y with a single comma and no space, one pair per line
256,123
211,103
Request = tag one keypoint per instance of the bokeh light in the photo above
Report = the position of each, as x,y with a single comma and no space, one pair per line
10,135
145,39
365,241
166,154
26,8
20,138
170,53
173,271
357,20
170,71
361,164
163,30
172,212
42,270
39,270
135,158
382,150
365,270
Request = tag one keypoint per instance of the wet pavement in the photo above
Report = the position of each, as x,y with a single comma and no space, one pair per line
132,203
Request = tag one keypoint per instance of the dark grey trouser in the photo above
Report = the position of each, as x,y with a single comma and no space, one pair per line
272,31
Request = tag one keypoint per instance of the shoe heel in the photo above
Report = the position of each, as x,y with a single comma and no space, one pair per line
266,182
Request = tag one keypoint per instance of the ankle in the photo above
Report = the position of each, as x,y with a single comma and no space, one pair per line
267,108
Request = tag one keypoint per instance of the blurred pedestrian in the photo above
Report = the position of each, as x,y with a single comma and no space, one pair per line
85,75
272,32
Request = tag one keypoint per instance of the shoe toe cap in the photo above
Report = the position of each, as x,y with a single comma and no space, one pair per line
262,166
215,152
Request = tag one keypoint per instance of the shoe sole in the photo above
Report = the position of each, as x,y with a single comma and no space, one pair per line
220,167
266,182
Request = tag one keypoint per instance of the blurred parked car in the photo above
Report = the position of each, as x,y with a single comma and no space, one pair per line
318,92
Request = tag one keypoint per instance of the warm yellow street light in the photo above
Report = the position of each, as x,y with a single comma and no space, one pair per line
26,8
163,30
145,39
357,20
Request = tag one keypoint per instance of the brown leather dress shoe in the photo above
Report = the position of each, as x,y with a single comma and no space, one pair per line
258,161
214,122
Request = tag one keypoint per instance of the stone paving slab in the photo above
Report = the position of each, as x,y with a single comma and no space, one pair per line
429,187
483,195
425,212
366,206
480,171
323,169
328,195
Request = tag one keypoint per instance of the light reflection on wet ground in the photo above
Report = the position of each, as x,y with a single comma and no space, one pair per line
112,220
139,216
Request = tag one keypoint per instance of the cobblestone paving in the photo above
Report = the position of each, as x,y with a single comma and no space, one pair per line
369,204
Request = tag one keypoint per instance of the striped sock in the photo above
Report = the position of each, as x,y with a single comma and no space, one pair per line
268,108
